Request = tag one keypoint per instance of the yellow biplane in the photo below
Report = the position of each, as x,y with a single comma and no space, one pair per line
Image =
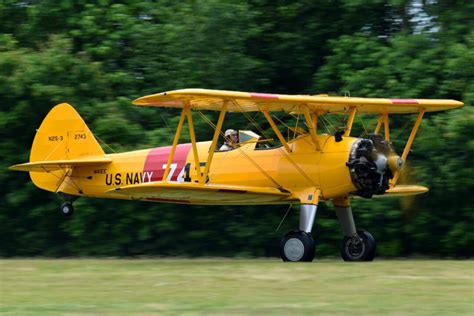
312,167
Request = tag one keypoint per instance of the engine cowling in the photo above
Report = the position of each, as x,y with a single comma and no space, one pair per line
372,163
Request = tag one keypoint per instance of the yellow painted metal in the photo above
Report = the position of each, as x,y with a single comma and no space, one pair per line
192,136
404,190
217,131
334,177
312,131
175,143
386,126
204,194
408,144
379,125
63,135
342,201
350,121
315,122
276,130
202,99
52,165
307,195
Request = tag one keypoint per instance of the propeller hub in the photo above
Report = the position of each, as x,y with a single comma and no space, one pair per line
395,163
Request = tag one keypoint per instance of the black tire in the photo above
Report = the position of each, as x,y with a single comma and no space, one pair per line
67,209
353,250
297,246
371,254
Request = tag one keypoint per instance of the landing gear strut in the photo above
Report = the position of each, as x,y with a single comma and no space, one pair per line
298,245
356,245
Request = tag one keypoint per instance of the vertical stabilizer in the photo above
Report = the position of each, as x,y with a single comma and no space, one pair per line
63,135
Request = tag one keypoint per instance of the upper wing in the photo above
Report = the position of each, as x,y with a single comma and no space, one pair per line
51,165
203,99
194,193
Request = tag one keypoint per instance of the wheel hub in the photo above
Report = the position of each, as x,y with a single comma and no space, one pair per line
355,247
294,249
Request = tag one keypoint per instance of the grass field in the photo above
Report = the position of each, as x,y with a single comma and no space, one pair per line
226,286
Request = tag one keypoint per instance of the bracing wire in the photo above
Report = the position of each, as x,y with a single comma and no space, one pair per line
327,125
284,217
104,143
365,132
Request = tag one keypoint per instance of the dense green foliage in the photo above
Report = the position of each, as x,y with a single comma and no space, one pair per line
100,55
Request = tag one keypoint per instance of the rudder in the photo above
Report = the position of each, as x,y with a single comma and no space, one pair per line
63,135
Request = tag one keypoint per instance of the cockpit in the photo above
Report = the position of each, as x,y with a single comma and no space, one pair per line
247,137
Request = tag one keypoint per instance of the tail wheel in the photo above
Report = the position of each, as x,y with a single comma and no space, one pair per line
67,209
297,246
358,248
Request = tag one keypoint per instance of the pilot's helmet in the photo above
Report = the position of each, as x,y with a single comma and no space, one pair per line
230,132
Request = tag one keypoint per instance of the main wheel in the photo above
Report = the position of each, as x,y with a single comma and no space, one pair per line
67,209
297,246
358,248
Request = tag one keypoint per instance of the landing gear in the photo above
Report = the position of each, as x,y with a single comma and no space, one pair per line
356,245
67,209
298,245
360,247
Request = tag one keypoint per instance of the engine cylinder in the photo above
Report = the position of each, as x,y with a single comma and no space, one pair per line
372,163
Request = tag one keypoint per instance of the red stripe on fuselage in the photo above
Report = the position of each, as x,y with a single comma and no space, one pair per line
158,157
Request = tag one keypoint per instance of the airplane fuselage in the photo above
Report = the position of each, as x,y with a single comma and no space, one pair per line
247,165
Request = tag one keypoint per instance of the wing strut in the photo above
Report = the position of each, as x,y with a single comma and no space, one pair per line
192,136
383,119
350,121
214,141
185,113
385,125
276,130
315,121
408,144
312,130
379,125
175,142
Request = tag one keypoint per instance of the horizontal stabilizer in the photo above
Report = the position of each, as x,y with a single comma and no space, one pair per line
51,165
210,194
402,190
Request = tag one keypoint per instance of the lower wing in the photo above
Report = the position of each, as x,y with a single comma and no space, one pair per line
209,194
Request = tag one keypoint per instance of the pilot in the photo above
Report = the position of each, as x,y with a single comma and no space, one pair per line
231,140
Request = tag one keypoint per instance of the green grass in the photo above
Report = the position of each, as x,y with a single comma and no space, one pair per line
226,286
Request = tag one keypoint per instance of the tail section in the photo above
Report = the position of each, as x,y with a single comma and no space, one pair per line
62,143
63,134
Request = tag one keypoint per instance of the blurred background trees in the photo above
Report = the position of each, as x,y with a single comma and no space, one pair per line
100,55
